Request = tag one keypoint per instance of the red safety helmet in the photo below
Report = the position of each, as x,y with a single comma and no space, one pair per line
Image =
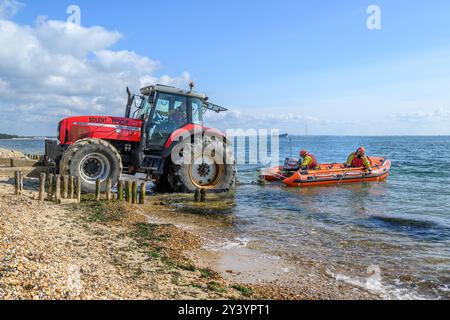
361,151
303,153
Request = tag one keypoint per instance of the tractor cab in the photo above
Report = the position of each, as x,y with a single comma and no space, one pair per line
165,109
101,148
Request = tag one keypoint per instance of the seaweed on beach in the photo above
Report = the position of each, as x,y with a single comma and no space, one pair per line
104,211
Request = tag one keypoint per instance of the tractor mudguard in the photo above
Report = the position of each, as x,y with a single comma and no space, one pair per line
187,132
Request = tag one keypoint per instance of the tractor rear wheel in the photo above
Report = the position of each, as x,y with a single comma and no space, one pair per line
203,170
92,160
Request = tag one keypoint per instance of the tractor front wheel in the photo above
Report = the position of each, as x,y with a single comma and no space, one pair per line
205,170
92,160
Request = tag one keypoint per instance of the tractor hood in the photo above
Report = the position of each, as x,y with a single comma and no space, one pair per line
73,129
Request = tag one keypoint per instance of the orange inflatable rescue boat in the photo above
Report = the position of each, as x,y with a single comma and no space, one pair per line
328,174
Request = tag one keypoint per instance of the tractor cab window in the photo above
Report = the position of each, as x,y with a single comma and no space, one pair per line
162,110
170,114
144,109
197,111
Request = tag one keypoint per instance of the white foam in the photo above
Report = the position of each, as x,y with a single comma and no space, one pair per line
444,288
226,244
374,285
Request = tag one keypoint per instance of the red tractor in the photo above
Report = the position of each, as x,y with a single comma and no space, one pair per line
161,135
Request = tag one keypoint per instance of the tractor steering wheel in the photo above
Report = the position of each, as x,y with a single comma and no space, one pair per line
159,117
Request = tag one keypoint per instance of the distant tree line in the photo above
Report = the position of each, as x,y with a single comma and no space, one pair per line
7,136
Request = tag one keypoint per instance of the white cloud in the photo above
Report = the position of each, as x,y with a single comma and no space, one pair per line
4,86
439,114
73,40
179,81
9,8
54,69
119,61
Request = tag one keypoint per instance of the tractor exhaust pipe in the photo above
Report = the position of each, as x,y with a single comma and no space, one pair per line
129,103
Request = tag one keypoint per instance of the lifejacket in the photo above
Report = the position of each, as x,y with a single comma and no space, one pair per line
314,162
357,161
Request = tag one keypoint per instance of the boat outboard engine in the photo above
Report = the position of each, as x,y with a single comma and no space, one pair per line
291,164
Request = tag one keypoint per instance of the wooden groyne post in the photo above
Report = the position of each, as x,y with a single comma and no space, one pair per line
197,195
71,187
50,181
65,182
108,190
57,187
21,181
120,190
16,183
42,180
262,178
78,182
134,192
143,193
97,190
203,195
128,191
18,179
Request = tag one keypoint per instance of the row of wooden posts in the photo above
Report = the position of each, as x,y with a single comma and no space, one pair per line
64,187
34,156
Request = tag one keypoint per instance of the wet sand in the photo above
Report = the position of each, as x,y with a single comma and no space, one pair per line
240,260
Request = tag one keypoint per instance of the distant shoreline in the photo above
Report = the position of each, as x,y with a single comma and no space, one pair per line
4,136
26,138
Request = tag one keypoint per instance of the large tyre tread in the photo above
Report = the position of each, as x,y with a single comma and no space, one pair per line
66,161
175,182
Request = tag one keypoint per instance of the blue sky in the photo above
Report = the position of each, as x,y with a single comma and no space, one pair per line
282,64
